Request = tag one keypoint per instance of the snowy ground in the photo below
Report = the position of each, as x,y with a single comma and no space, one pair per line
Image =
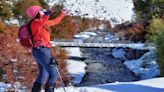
151,85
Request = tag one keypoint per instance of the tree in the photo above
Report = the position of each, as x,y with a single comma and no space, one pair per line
5,12
145,9
156,35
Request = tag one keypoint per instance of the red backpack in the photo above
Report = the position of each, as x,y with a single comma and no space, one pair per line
25,36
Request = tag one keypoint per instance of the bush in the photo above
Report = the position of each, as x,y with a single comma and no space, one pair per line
154,29
132,31
16,63
62,55
3,27
66,29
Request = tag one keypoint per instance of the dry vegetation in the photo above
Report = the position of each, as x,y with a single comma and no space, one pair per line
132,31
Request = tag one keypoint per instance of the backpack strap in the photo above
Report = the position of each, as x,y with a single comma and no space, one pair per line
30,32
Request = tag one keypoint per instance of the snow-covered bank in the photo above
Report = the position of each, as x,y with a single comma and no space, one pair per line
151,85
146,66
76,68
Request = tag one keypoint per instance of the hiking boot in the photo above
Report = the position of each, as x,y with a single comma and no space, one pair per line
49,87
36,87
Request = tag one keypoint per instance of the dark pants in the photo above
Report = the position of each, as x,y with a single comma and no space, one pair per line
47,71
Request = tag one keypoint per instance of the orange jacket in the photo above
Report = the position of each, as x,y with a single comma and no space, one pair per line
41,36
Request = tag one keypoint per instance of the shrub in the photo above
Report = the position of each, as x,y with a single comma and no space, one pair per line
133,31
154,29
66,29
3,27
61,55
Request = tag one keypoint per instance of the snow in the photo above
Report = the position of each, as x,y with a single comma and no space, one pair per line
118,53
137,46
111,37
76,69
13,21
149,70
74,52
117,11
79,36
3,86
89,33
151,85
84,35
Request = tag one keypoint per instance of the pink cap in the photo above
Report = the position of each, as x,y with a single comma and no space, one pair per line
33,11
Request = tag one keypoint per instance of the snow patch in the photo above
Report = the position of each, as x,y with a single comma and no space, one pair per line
74,52
77,70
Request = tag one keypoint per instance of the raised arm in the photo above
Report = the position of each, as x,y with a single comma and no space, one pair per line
56,20
43,20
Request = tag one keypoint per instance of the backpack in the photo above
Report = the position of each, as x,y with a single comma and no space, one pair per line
25,36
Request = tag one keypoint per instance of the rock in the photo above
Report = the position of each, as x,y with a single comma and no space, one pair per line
134,54
145,67
118,53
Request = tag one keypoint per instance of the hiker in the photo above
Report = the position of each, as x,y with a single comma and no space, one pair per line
40,28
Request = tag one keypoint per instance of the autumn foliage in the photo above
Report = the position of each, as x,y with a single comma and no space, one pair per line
16,63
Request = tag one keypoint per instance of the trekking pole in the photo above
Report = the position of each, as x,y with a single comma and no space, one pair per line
61,79
54,61
61,71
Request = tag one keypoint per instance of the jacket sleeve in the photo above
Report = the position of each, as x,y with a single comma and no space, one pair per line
56,20
43,20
